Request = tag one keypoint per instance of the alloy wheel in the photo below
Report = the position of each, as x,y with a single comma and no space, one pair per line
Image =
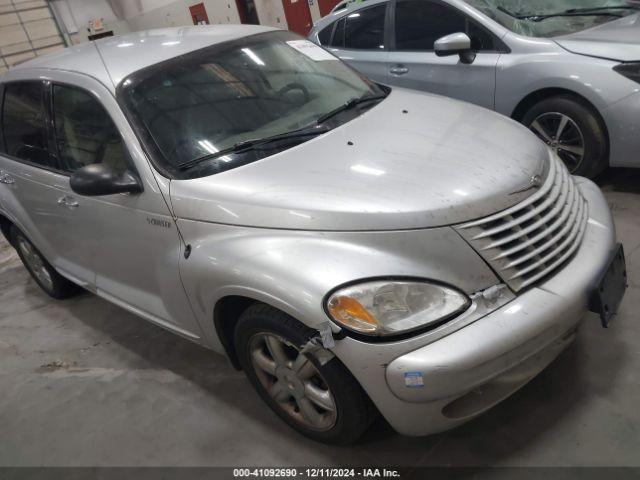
36,263
562,134
293,381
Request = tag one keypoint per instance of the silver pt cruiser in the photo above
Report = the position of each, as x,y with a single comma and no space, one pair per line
357,250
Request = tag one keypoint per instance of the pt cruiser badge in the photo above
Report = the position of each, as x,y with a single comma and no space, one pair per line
158,222
535,182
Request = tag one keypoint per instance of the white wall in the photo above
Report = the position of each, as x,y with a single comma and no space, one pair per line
171,15
220,11
314,8
176,13
76,15
271,12
123,16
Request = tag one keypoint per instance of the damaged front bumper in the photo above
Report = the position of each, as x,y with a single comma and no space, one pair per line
455,378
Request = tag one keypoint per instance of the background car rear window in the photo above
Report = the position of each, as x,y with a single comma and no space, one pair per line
362,30
24,123
419,23
85,134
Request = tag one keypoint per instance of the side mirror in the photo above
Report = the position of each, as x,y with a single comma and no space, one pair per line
455,44
100,179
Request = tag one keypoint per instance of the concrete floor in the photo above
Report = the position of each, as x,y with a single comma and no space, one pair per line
82,382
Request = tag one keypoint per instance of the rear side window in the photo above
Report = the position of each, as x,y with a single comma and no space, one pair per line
85,134
24,123
419,23
362,30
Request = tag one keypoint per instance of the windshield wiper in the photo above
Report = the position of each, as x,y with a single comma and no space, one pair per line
572,12
599,9
348,105
253,144
575,12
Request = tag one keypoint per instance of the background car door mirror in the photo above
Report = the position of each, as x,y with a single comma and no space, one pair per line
100,179
455,44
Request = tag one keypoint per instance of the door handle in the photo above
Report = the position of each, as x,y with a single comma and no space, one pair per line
399,70
68,202
6,178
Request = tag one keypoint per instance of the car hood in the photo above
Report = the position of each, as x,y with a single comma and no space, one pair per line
414,160
617,40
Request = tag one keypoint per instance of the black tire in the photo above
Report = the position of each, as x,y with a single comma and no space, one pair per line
596,149
355,411
59,287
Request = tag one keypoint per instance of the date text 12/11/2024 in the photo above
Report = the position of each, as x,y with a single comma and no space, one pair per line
319,472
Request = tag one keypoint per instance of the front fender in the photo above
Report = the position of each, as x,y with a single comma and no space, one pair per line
294,270
532,69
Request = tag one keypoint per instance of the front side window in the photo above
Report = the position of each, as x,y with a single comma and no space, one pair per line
324,37
551,18
419,23
202,113
338,35
84,132
364,29
24,123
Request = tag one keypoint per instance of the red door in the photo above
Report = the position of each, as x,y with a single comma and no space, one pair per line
326,6
298,16
199,14
247,12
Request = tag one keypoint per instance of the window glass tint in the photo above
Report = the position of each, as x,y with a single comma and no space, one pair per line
338,35
23,123
85,134
364,29
325,35
480,38
419,23
200,104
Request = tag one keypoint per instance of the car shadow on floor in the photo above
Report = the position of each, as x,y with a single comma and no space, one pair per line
491,438
625,180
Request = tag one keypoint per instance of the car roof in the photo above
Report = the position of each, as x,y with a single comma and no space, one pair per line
112,59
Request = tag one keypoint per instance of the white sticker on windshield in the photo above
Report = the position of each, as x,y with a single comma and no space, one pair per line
311,50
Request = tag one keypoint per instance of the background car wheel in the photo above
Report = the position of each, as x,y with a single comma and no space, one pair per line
323,402
573,130
53,284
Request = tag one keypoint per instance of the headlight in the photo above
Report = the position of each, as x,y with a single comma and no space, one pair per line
392,307
630,70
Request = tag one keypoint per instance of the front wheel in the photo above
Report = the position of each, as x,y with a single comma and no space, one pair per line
573,130
323,402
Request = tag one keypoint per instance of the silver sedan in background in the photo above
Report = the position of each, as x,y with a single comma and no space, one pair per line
569,69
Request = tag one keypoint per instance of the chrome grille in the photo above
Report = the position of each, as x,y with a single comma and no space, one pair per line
530,240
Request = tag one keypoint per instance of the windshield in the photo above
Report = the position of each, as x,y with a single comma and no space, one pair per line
192,107
535,25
